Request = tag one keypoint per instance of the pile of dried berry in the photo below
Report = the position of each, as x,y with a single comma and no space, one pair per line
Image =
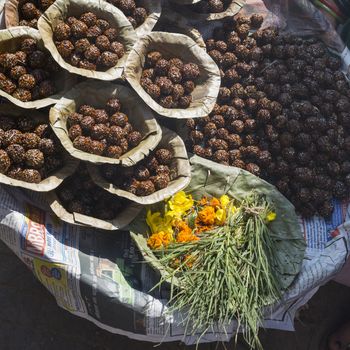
88,42
150,175
135,13
27,74
104,132
80,195
282,113
211,6
29,151
169,81
29,11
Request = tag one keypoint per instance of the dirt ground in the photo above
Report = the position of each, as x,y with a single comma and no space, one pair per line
31,320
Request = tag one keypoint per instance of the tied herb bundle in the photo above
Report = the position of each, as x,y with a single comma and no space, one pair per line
225,272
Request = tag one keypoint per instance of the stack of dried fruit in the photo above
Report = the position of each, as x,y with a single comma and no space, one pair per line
80,195
210,6
134,12
105,132
27,74
29,151
150,175
30,11
88,42
282,113
169,81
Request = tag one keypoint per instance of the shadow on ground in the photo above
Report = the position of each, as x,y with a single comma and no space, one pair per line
31,320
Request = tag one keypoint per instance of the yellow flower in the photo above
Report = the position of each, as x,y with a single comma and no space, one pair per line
224,200
157,223
159,240
271,216
180,203
220,217
233,209
173,214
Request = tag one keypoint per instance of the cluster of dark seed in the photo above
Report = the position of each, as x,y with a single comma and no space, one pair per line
210,6
282,113
30,11
104,132
27,74
29,151
135,13
169,81
88,42
150,175
79,194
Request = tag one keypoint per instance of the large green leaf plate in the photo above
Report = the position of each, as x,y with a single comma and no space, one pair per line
210,178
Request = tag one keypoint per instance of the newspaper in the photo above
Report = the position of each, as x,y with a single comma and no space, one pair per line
99,275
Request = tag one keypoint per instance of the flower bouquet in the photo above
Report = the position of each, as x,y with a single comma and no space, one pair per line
221,253
186,220
229,245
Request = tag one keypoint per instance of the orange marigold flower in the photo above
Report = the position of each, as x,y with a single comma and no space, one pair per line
182,226
202,228
175,263
215,202
203,201
155,241
207,215
159,240
189,261
183,237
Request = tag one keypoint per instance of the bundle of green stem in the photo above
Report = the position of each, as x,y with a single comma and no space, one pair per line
228,274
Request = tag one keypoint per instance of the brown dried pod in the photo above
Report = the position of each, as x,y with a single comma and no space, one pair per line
102,43
5,161
111,34
134,138
108,59
62,31
164,156
145,188
79,29
34,158
30,175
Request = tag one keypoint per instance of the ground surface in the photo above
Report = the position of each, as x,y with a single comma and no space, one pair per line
31,320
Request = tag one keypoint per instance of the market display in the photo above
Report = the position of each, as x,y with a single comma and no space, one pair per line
29,151
28,73
79,194
133,10
282,114
152,174
265,121
88,42
169,81
30,11
102,131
